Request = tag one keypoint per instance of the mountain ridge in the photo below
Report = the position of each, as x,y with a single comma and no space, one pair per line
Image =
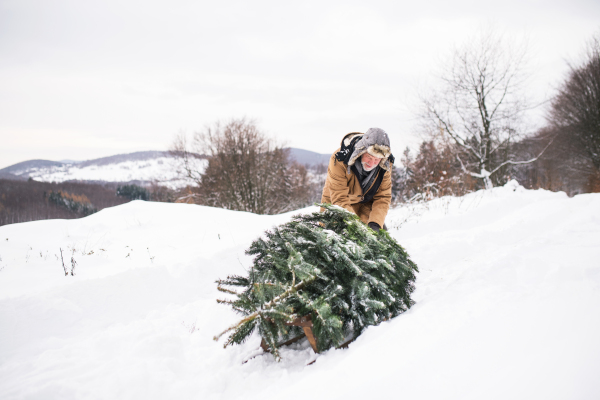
141,167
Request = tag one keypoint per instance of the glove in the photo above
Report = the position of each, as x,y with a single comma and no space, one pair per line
375,226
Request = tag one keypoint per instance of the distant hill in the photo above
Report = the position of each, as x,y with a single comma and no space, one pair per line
120,158
22,168
140,168
12,177
307,157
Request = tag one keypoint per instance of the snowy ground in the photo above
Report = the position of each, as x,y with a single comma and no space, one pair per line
507,306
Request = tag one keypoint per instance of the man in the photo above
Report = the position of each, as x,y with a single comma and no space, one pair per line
359,176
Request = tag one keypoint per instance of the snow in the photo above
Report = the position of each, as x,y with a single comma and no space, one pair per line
162,170
507,306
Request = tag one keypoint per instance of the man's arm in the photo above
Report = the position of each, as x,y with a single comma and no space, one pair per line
338,184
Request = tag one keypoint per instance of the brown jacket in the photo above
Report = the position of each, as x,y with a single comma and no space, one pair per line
343,189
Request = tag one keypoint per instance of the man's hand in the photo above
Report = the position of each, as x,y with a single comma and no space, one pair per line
375,226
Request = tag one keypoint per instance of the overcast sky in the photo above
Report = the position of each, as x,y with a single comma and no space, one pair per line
86,79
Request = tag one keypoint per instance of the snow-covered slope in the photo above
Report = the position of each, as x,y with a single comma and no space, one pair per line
142,167
507,306
160,170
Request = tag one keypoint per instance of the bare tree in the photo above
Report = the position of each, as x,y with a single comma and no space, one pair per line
189,163
246,170
433,172
560,168
482,105
575,112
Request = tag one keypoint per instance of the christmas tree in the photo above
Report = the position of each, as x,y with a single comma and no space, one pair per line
326,265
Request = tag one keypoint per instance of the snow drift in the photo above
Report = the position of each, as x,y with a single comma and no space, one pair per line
507,306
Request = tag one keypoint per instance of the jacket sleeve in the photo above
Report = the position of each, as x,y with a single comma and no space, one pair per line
382,199
338,184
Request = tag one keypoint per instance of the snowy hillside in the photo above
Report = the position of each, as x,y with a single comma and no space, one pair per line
507,306
141,167
160,170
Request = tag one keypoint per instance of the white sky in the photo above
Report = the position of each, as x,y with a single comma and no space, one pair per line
87,79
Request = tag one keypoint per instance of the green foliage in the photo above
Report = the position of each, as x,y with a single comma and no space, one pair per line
328,265
133,192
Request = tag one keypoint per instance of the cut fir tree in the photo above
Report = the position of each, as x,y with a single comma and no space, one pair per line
326,266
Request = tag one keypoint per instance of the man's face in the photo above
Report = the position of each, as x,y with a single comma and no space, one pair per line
369,162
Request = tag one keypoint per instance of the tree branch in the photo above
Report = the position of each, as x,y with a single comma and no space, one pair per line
522,162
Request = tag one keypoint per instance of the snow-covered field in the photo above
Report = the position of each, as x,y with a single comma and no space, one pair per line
508,302
161,170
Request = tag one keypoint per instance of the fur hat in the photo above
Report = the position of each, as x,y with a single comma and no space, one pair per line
376,142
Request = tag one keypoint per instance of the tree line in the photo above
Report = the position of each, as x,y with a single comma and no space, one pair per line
476,133
24,201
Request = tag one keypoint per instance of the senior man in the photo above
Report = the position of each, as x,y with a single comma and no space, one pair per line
359,176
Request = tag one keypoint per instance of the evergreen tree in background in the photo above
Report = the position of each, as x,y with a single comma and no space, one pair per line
133,192
326,265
